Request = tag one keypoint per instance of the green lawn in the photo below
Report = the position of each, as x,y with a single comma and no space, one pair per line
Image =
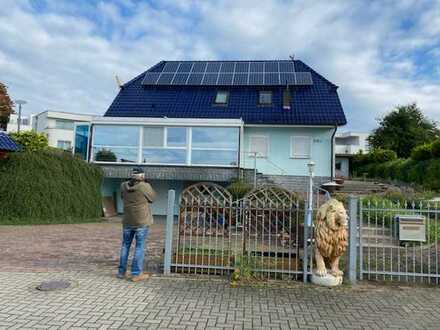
36,221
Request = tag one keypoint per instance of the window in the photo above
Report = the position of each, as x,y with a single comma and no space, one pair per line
81,140
214,146
116,143
63,144
258,145
64,124
164,145
265,98
300,147
221,98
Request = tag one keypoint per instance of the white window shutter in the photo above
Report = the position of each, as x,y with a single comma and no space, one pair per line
301,147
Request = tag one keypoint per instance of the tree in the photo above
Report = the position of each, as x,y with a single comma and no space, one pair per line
30,140
105,155
403,129
6,107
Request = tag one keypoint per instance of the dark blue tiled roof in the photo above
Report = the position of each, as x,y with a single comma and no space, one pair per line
317,104
6,143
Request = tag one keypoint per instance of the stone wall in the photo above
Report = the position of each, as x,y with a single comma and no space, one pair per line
291,182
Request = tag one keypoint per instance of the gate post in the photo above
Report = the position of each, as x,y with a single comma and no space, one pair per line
352,239
169,232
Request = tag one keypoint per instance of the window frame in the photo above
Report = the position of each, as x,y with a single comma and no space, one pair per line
259,98
266,137
292,144
221,103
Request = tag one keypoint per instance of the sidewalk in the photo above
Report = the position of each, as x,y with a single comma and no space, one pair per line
98,300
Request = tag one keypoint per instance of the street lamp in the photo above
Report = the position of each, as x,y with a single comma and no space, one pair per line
20,103
311,166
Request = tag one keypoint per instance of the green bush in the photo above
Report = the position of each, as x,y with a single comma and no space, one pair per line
30,140
422,152
239,188
48,185
381,155
435,149
362,161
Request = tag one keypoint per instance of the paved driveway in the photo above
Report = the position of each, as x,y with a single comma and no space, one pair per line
87,247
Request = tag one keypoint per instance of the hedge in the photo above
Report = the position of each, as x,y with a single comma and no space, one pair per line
425,173
49,185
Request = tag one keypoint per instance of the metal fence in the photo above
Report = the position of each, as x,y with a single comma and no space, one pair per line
399,241
262,233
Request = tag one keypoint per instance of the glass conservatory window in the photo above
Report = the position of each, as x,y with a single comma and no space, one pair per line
116,143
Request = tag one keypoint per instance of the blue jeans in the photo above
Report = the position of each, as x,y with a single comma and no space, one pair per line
128,233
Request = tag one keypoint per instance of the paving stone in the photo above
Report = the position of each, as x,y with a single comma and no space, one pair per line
100,301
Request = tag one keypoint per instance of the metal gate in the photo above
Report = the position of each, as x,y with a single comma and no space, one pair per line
263,232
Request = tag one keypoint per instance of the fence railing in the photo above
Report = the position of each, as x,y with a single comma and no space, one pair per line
399,241
266,233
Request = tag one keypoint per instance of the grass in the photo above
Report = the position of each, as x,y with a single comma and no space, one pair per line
46,221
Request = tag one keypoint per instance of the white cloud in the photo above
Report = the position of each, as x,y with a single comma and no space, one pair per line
59,60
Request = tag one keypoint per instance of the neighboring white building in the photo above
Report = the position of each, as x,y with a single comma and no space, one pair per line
26,123
58,126
348,144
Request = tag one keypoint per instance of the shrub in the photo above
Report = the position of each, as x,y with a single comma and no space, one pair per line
381,156
422,152
435,149
30,140
49,185
239,188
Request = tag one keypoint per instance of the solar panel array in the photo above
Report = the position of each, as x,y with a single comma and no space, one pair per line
269,73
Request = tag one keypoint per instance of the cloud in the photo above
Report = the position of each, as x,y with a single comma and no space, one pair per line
63,55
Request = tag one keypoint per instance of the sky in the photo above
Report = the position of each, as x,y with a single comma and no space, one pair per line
64,55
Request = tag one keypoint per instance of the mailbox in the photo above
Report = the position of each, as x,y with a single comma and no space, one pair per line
411,228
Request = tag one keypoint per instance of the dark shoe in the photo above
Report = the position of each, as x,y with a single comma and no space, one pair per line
122,276
140,277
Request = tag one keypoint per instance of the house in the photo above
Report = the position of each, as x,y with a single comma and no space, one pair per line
25,123
190,121
347,145
6,145
58,126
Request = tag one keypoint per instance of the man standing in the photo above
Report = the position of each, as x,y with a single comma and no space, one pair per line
137,196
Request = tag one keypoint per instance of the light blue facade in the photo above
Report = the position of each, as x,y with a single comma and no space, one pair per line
279,160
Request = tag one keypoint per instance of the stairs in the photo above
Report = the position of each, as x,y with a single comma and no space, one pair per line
362,187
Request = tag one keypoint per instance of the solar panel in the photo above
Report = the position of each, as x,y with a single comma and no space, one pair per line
213,67
239,73
287,66
165,78
225,79
210,79
256,67
256,79
227,67
185,67
170,67
150,78
287,78
180,78
271,67
195,79
304,78
271,79
241,79
242,67
199,67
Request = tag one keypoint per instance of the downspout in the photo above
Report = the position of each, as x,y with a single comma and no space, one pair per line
333,154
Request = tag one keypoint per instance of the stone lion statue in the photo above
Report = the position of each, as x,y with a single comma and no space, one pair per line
330,237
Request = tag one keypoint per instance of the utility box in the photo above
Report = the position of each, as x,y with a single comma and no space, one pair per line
411,228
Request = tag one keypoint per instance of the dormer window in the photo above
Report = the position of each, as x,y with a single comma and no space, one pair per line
265,98
221,98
